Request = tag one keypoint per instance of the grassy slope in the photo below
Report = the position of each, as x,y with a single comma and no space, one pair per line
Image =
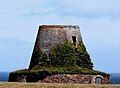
54,85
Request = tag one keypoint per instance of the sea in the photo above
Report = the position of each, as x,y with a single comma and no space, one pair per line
114,77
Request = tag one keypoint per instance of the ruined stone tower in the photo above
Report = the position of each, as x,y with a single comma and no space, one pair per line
59,56
50,35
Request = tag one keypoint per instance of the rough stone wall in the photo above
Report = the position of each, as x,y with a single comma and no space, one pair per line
75,78
62,78
106,79
67,78
49,35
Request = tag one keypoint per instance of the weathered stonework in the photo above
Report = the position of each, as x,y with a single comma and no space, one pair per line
76,78
65,78
49,35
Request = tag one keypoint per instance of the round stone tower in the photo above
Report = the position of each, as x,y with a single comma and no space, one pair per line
50,35
53,63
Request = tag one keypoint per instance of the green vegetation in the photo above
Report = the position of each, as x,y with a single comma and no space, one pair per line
37,58
62,70
66,70
63,59
62,55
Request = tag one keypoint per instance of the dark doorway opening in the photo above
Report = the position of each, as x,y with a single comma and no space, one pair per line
98,80
74,40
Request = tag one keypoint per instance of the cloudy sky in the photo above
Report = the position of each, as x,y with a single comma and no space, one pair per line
99,21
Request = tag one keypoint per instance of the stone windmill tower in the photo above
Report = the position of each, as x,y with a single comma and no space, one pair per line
70,63
50,35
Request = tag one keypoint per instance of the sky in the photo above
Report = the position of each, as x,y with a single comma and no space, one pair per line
99,22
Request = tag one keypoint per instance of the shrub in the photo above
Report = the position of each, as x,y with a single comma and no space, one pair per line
63,55
66,54
69,55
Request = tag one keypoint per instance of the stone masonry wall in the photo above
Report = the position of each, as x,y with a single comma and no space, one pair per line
75,78
67,78
61,78
49,35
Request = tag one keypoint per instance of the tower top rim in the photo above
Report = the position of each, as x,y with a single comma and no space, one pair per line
59,26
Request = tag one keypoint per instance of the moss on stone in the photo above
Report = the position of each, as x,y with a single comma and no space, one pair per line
58,70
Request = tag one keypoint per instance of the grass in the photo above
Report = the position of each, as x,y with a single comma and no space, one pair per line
61,70
54,85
